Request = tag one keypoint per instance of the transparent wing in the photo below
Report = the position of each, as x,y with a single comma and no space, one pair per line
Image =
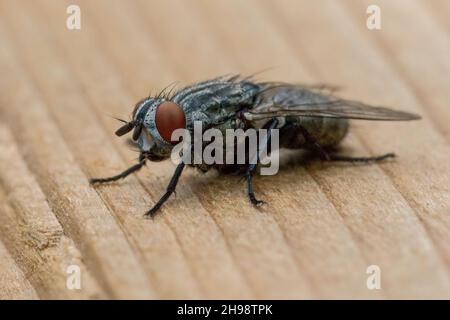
279,99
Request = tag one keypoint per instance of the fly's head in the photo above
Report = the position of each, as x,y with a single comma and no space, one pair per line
154,120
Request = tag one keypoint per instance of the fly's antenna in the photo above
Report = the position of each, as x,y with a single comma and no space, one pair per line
137,125
121,120
127,127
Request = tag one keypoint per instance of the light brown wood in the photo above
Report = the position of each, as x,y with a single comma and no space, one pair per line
33,233
324,224
13,284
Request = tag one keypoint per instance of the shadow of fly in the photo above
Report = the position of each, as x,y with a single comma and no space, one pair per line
306,117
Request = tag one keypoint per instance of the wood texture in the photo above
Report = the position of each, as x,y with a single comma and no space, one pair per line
324,224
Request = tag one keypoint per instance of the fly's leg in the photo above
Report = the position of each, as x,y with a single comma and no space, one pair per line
122,175
251,193
253,164
170,189
335,157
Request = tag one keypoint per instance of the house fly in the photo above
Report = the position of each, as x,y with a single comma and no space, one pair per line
307,117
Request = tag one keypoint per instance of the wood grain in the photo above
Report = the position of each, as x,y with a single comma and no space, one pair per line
13,284
324,224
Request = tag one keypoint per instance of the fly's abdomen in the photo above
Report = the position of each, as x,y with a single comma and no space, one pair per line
327,132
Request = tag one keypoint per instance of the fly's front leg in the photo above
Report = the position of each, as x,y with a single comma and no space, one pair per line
122,175
170,189
252,166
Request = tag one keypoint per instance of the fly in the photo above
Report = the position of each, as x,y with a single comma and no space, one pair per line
307,117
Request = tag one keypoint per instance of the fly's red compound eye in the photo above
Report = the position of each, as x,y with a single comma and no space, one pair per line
169,117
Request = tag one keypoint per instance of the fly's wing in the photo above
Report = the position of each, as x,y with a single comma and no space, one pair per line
279,99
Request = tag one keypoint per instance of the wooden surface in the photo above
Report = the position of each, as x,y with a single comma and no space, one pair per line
323,225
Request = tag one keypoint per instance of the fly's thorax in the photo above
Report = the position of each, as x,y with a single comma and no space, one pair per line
216,101
160,118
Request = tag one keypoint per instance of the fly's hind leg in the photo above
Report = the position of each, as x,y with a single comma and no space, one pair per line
253,164
326,156
336,157
250,192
